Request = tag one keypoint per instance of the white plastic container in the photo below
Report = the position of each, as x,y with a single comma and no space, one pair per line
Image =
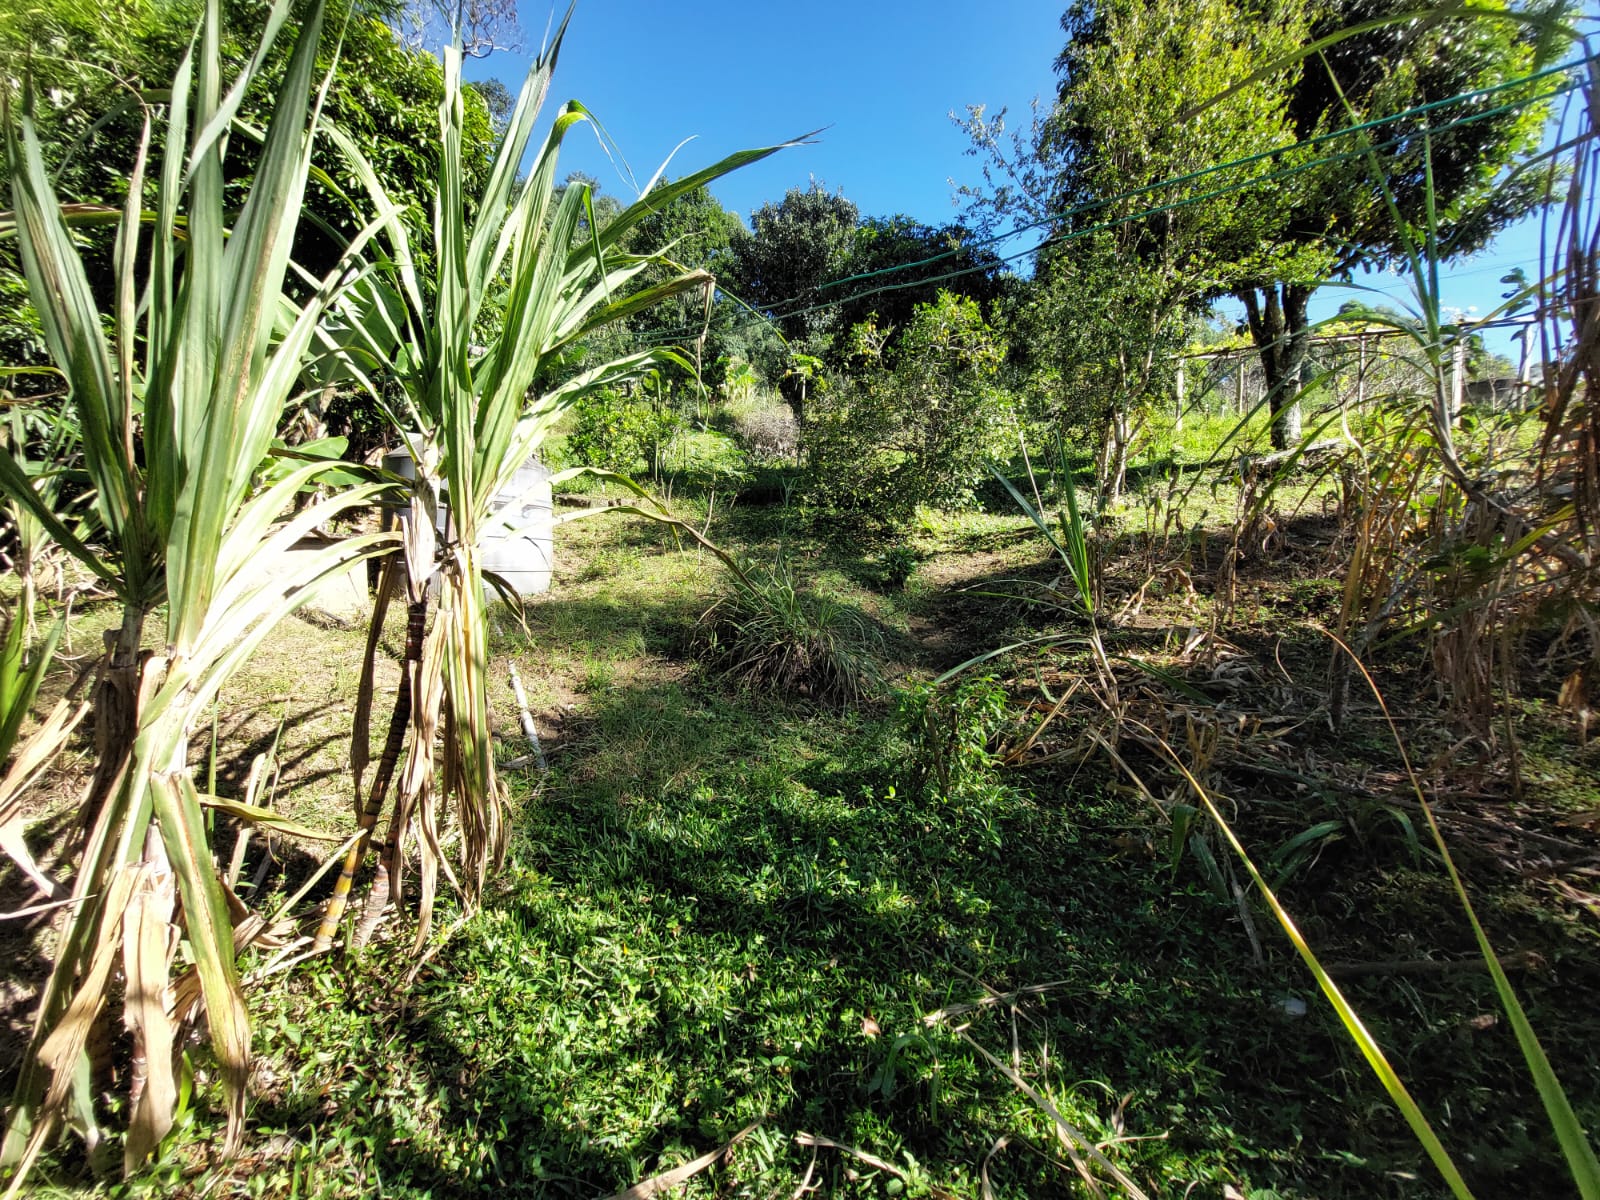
518,542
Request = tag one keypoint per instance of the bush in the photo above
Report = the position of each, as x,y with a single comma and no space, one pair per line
897,563
955,736
709,461
769,634
616,432
919,424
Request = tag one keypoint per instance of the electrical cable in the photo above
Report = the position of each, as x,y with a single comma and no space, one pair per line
780,310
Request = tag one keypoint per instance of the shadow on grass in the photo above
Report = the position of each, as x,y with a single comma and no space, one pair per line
249,731
728,910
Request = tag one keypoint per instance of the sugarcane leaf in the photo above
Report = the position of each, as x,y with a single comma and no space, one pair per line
261,610
243,399
1421,1128
1576,1148
254,814
148,936
508,159
16,484
19,686
58,286
656,199
210,934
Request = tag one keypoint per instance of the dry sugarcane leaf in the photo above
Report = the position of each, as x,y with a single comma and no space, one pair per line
65,1045
817,1141
35,754
206,916
418,534
67,1039
658,1185
470,768
361,729
416,785
1071,1138
256,815
149,938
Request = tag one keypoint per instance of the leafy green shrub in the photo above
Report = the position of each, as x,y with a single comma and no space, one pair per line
769,634
709,460
616,432
898,564
920,422
955,735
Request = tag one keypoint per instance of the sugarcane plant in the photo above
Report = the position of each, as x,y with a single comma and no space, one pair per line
177,387
472,408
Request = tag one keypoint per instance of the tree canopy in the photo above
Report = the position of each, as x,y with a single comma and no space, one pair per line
91,68
817,268
1149,97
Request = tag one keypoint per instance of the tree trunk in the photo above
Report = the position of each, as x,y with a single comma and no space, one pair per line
1112,469
1282,334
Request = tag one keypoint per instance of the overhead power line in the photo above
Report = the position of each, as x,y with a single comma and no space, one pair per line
1259,156
782,309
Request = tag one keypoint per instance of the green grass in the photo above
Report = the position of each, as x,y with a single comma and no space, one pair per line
723,909
706,906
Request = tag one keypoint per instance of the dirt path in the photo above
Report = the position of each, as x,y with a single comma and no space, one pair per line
960,614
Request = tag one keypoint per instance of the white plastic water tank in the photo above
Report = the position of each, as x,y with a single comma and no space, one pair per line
518,541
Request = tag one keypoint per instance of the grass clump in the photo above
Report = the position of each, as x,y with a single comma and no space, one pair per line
768,633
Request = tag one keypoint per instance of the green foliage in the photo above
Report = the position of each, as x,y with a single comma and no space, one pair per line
472,416
617,432
1459,174
790,248
899,562
889,243
769,633
21,674
918,424
91,66
955,735
196,343
1141,105
815,238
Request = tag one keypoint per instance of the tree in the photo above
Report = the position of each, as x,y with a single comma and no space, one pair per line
1336,217
790,249
817,269
889,290
1138,106
1099,341
1128,71
497,98
1124,262
485,26
915,426
92,68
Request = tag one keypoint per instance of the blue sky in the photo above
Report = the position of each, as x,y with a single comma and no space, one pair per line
881,76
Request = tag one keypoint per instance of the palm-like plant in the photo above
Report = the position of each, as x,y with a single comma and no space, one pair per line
193,364
472,415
